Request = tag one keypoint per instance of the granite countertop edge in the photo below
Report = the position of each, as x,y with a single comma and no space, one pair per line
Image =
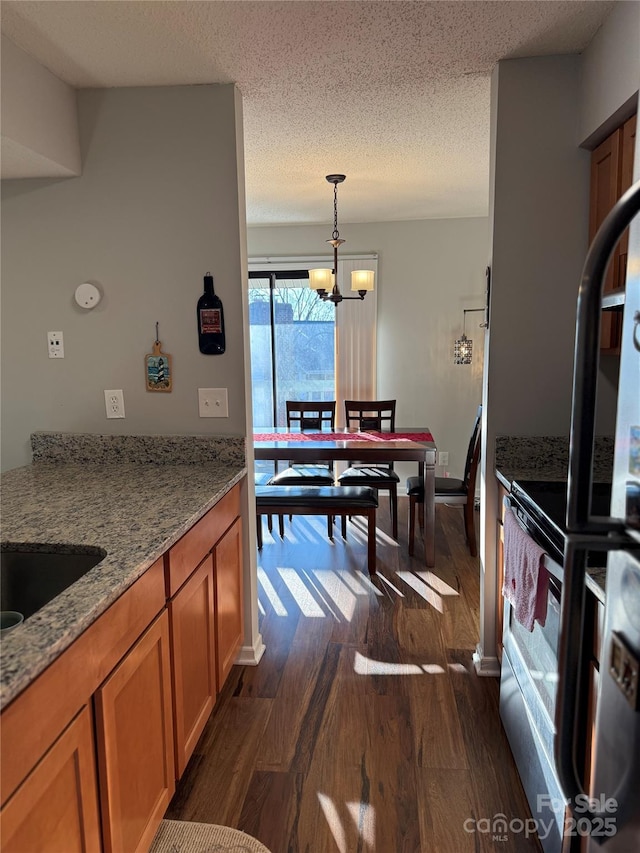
132,512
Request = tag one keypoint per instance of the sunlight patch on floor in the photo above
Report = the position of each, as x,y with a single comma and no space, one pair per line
437,583
301,595
366,666
333,608
364,817
354,583
335,587
423,589
333,820
386,581
274,599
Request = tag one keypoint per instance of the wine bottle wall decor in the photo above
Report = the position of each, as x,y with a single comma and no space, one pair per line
211,337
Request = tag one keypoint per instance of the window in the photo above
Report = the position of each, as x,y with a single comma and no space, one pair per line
292,341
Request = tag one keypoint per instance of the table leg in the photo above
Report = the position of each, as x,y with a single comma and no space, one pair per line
429,509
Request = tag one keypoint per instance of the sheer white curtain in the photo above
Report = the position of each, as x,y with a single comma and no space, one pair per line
355,339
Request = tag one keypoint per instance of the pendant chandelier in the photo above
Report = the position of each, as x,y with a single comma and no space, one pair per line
463,347
325,282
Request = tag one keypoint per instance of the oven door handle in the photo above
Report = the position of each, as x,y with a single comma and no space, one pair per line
570,723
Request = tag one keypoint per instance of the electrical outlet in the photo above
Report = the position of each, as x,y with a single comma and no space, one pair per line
114,404
443,458
213,403
55,344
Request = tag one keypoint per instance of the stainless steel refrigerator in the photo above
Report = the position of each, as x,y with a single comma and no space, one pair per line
606,817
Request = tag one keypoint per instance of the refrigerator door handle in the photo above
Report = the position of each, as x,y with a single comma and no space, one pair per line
586,358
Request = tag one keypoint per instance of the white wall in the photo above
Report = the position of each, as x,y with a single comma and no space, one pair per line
39,119
609,74
428,271
156,207
538,222
542,109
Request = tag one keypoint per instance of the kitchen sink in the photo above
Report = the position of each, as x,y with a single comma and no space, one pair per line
32,577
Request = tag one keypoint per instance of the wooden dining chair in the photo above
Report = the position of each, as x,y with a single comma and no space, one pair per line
449,490
380,416
307,416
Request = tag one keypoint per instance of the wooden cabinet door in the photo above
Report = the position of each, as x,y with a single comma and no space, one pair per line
56,807
626,179
605,189
134,733
193,658
229,603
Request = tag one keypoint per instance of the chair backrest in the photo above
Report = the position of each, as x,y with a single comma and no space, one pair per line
311,416
379,415
473,456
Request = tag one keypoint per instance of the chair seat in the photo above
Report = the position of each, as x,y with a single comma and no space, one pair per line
308,474
447,486
366,475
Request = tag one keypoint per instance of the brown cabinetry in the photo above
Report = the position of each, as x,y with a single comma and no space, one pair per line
160,652
134,726
204,578
193,657
611,176
56,807
229,621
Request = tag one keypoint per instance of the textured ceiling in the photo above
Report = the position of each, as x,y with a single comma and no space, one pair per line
393,94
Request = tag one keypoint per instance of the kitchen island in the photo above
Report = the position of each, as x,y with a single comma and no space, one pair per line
106,689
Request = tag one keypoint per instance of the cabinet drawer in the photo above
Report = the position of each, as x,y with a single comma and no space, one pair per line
190,551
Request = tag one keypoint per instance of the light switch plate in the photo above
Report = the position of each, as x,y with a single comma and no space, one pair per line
213,403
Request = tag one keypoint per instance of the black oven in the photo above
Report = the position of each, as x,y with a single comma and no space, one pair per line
529,676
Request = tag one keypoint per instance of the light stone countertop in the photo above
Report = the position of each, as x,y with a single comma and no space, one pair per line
135,512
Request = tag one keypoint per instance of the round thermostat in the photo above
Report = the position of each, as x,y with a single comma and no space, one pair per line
87,295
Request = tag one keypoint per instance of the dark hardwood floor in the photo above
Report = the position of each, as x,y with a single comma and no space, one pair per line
364,727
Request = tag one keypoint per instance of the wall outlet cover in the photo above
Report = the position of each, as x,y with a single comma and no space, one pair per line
114,403
55,344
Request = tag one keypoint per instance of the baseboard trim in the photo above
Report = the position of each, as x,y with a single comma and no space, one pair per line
484,665
250,655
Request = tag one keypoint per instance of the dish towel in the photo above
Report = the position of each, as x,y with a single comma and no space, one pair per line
526,581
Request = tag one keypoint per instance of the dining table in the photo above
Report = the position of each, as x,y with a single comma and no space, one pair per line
404,444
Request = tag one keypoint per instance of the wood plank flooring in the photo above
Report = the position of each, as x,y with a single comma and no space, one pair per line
364,729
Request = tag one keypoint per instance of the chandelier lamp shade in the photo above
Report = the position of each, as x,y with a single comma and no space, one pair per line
463,346
324,281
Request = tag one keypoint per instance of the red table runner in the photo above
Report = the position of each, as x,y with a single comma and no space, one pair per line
342,436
